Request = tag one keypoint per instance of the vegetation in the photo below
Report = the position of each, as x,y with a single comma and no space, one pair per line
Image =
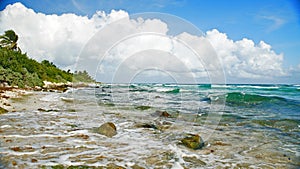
9,40
82,76
17,69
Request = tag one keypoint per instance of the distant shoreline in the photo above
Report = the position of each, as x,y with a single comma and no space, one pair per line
10,94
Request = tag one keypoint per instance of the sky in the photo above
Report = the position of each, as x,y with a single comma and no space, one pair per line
256,41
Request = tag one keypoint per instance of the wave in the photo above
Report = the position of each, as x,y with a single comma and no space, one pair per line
283,124
139,88
204,86
248,99
177,90
258,87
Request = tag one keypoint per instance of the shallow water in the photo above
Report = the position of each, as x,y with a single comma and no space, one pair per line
258,126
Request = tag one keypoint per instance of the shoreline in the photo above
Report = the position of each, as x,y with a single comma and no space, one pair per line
8,95
46,127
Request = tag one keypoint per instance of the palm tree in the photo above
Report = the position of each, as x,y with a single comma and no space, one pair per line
9,40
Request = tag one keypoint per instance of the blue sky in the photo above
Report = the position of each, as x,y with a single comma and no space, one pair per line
275,22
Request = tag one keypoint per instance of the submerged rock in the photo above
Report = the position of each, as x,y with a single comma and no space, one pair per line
114,166
162,126
146,125
2,110
162,113
108,129
193,162
142,107
193,141
135,166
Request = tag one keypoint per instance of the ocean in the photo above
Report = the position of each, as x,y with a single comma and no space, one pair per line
243,126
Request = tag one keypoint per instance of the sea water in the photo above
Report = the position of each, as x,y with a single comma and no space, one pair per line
243,126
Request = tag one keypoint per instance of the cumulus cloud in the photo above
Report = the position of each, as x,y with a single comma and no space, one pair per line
246,59
56,38
61,38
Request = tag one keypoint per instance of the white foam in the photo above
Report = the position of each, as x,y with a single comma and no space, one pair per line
258,87
51,97
163,89
67,99
34,136
21,153
5,126
177,165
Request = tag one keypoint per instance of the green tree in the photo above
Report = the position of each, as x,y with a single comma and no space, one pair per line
9,40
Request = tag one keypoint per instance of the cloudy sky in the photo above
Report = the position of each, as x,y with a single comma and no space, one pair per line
250,41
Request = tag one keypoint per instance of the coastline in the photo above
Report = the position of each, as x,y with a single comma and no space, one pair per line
9,97
45,131
14,99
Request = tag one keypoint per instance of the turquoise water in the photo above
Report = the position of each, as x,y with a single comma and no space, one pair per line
250,102
243,126
270,109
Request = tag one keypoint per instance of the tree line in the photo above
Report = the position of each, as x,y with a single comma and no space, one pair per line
17,69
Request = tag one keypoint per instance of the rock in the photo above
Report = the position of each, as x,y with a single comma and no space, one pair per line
194,161
220,143
114,166
147,125
108,129
193,141
83,136
17,149
34,160
53,87
162,113
2,110
14,163
137,167
142,107
37,88
156,125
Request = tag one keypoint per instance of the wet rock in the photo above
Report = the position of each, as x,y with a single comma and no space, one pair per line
114,166
220,143
147,125
108,129
162,113
2,110
45,110
34,160
18,149
193,141
14,163
135,166
83,136
22,149
142,107
193,161
156,125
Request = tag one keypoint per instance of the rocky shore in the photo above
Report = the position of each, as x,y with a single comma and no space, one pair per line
45,130
10,93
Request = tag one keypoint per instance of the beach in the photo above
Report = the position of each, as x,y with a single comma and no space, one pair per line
257,127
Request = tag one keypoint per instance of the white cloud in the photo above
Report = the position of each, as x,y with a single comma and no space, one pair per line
56,38
61,38
246,59
276,22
